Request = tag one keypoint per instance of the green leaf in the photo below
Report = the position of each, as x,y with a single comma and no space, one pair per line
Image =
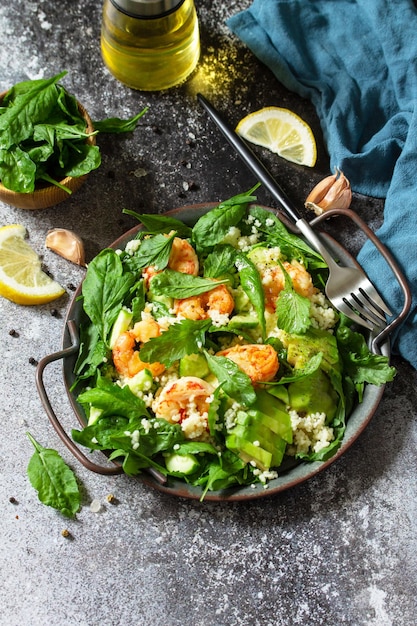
117,125
104,289
80,160
220,261
235,383
154,251
53,480
213,227
182,338
178,285
112,400
359,363
252,286
30,106
17,170
292,309
161,223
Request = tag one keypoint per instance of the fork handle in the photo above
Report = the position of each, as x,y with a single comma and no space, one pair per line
263,175
315,241
251,160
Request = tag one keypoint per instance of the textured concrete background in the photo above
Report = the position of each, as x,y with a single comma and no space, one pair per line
339,549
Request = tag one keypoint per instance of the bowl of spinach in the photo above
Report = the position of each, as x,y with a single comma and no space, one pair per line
47,144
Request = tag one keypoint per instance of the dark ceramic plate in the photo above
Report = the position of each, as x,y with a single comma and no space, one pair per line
289,476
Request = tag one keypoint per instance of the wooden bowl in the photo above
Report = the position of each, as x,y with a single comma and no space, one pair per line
46,195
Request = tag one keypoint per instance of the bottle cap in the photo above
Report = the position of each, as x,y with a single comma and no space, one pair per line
147,8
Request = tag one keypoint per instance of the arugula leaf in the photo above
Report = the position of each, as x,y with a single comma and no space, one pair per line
213,227
92,353
252,285
292,309
178,285
54,481
112,400
359,363
154,251
185,337
161,223
235,383
104,289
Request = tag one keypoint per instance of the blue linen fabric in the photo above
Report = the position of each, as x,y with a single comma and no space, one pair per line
356,60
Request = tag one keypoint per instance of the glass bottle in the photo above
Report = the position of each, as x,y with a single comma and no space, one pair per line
150,44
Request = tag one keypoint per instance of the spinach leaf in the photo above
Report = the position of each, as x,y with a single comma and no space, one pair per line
17,170
252,286
185,337
292,309
29,107
178,285
104,289
213,227
154,251
235,383
161,223
53,480
117,125
220,261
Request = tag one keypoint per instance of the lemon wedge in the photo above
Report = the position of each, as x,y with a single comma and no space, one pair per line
281,131
21,277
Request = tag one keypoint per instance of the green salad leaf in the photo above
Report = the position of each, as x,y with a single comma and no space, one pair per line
104,290
54,481
182,338
178,285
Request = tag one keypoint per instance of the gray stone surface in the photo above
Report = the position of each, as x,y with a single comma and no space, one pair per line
339,549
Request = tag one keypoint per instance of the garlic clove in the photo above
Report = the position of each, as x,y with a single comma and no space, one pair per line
67,244
333,192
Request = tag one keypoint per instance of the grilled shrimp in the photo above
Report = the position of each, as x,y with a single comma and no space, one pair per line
217,300
126,350
273,282
183,258
185,401
259,362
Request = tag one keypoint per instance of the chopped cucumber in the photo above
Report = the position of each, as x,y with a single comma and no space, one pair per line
194,365
122,323
142,381
94,415
181,463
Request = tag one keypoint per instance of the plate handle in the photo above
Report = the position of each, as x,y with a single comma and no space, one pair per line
349,213
40,385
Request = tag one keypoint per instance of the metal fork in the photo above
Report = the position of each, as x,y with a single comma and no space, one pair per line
348,288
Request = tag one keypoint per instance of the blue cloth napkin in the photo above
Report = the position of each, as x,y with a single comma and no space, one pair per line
356,60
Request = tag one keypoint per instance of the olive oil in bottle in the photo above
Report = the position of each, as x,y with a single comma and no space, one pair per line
150,44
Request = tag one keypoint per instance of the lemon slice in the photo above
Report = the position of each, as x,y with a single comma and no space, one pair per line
281,131
21,277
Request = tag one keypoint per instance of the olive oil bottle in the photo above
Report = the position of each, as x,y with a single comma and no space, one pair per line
150,45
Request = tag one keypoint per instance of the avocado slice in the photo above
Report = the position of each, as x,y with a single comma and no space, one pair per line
248,452
313,394
194,365
301,348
